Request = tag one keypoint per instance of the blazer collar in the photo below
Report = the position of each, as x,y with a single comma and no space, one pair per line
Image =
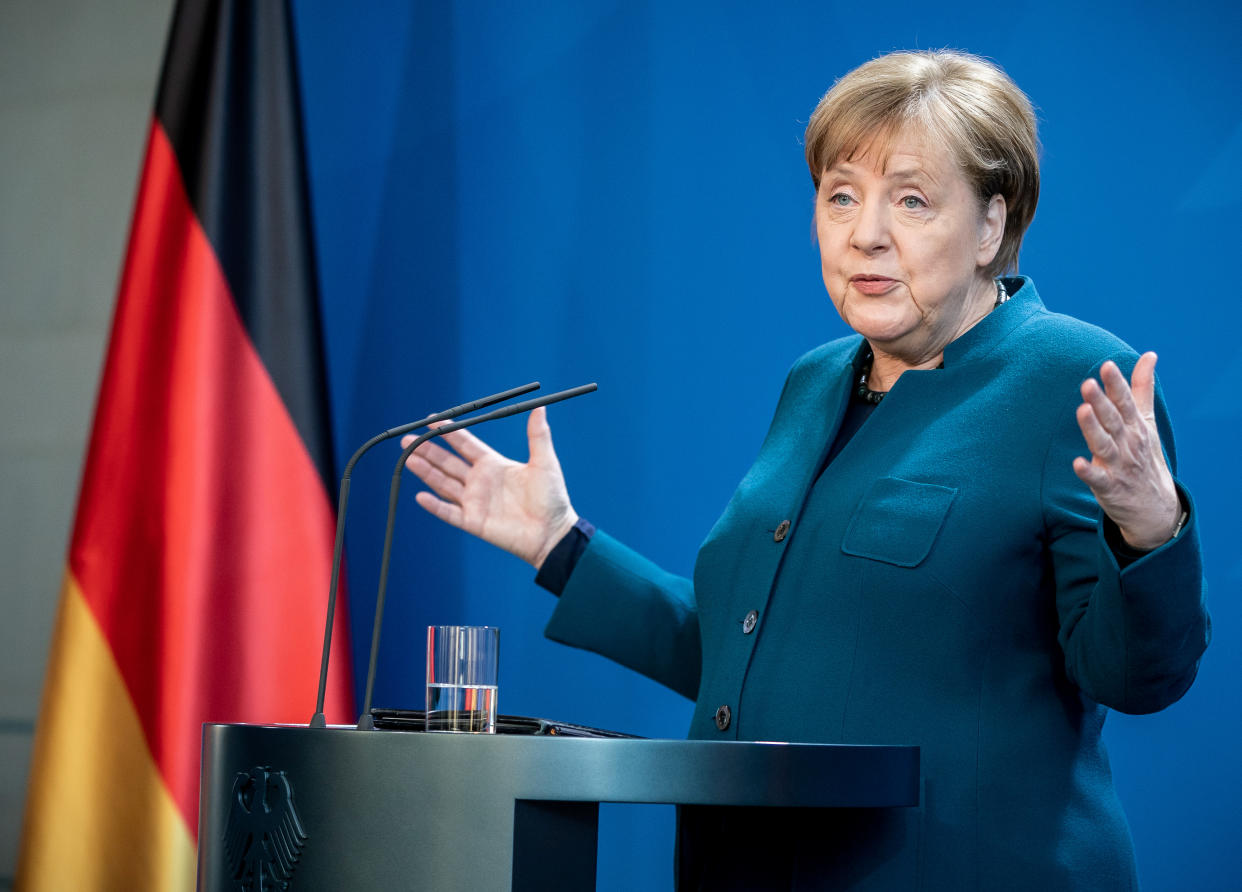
993,328
976,344
1024,302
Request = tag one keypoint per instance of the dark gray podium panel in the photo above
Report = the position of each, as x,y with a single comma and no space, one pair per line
395,810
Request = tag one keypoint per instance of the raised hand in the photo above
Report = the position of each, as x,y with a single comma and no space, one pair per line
522,508
1127,472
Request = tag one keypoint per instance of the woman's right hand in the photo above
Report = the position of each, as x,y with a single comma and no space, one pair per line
522,508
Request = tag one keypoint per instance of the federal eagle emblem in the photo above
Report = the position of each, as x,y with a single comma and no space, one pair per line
263,838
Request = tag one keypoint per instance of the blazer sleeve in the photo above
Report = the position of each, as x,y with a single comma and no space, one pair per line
1132,637
622,606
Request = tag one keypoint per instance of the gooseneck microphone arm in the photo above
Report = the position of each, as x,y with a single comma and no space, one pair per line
365,722
318,720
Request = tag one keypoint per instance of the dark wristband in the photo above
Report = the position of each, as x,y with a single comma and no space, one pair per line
1125,553
561,560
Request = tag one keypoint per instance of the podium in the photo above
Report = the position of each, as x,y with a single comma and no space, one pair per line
337,808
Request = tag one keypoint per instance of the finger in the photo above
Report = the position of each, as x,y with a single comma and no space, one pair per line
1090,474
438,457
447,512
1099,441
468,446
449,488
1118,391
539,438
1105,412
1144,385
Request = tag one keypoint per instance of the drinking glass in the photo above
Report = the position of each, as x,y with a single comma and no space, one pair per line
463,663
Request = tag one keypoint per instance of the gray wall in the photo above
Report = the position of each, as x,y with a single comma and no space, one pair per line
77,81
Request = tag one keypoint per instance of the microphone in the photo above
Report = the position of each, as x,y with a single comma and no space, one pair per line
365,722
342,503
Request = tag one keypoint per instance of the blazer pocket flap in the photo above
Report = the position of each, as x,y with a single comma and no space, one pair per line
897,521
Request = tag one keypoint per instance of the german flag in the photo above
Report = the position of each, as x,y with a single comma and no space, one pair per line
197,571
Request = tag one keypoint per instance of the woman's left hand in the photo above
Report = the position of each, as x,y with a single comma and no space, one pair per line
1127,471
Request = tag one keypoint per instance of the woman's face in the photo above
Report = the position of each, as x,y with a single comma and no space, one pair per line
903,243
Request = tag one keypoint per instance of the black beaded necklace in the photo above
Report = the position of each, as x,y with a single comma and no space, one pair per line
867,395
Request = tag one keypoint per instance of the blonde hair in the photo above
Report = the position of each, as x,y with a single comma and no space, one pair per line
957,100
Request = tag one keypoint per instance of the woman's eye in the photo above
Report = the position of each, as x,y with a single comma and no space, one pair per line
840,199
913,203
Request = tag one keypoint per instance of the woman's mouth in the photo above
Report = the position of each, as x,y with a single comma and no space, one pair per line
873,285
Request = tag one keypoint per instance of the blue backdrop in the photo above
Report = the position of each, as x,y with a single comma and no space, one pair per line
615,192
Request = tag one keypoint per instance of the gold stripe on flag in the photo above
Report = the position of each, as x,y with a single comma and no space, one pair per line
99,816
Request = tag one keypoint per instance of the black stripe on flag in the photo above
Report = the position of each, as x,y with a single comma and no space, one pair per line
230,103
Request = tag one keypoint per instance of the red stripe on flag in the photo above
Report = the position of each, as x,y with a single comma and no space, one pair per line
203,540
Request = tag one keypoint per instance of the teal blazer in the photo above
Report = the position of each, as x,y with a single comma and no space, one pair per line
947,582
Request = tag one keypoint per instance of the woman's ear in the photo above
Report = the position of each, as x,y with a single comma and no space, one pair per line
991,230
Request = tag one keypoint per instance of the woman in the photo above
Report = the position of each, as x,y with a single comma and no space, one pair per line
920,554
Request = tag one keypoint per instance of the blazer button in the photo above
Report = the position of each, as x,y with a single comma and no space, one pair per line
752,620
782,530
723,716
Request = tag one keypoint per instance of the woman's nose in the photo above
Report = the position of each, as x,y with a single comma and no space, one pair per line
871,228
